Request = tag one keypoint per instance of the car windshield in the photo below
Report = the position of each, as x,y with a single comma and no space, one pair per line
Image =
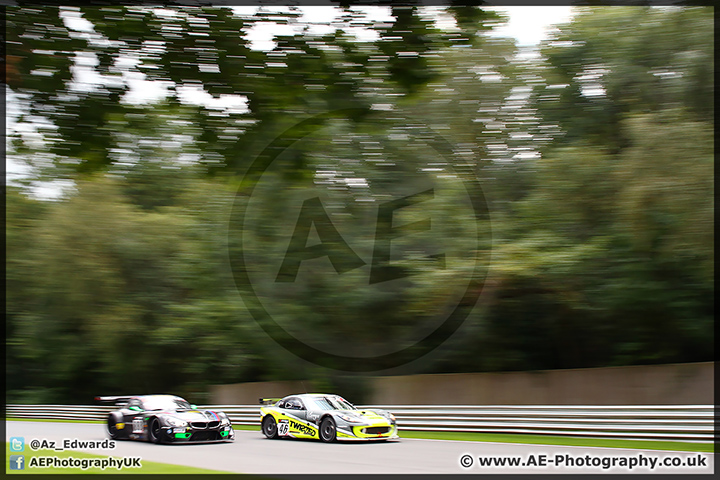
332,403
165,403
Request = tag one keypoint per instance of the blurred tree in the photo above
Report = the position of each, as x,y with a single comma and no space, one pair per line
664,229
124,299
23,216
72,66
611,62
595,264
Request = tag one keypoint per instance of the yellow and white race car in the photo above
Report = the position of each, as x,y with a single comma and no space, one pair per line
327,417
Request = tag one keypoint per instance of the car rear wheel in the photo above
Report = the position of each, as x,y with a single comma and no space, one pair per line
328,431
112,427
154,431
269,427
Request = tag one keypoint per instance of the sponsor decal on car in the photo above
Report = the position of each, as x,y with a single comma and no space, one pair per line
302,428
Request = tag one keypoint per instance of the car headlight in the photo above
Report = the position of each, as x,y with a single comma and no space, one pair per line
387,415
176,422
348,418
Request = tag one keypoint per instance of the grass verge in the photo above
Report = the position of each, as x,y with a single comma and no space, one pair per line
545,440
146,467
255,428
561,440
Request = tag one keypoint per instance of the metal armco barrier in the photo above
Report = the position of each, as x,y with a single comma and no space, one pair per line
662,422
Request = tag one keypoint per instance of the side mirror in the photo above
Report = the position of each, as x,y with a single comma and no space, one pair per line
193,406
135,408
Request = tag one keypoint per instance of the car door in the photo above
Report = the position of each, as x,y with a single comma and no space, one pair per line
294,409
312,414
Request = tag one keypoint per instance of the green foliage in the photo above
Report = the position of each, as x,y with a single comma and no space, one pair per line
131,300
643,59
205,47
603,246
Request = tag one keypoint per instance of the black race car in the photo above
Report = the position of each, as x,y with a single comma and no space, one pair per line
165,419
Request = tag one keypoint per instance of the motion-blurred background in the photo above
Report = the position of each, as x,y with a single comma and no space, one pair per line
129,129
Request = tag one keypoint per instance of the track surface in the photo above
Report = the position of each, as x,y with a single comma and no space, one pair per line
253,453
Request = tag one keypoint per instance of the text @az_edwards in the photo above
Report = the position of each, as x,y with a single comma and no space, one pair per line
71,444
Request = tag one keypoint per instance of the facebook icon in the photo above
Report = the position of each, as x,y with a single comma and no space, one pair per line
17,462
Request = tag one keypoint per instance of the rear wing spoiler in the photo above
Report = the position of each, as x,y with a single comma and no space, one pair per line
269,401
117,400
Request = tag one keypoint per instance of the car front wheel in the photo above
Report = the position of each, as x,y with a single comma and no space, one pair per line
154,431
328,431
